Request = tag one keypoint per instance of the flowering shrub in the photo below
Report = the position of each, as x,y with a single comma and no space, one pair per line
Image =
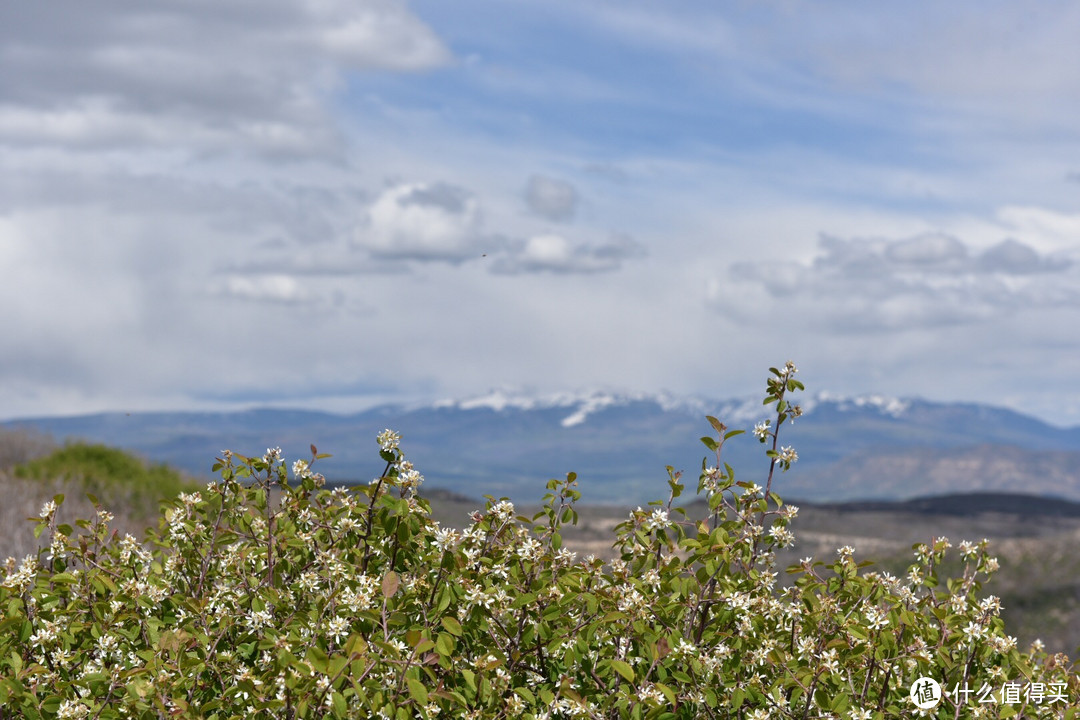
267,596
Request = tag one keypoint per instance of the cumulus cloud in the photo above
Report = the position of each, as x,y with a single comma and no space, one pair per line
551,199
554,253
425,222
930,254
868,284
1015,258
442,222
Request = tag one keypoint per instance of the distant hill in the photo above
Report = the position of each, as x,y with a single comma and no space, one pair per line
869,448
965,505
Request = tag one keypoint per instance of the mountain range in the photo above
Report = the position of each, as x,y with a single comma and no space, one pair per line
506,444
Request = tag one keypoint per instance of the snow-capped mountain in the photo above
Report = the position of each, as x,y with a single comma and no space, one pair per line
579,405
510,443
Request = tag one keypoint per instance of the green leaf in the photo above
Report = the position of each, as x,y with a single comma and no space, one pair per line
318,658
444,598
444,645
624,669
452,625
417,691
718,426
522,600
102,583
340,706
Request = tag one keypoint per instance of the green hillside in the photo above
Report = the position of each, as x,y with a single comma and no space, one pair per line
33,470
114,476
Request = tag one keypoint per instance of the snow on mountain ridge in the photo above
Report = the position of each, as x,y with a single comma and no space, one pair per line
583,402
589,406
892,406
730,411
502,399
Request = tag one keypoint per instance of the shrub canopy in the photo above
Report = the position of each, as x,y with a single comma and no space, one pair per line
263,595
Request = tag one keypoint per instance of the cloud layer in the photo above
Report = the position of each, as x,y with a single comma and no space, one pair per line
875,285
247,77
364,200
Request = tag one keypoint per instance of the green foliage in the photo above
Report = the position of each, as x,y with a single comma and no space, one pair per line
265,596
112,475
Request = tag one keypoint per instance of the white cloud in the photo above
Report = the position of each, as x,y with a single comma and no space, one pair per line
554,253
275,288
1054,229
202,77
928,250
425,222
547,250
551,198
386,35
862,285
1014,257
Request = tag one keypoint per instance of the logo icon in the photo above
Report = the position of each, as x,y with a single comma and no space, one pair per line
925,693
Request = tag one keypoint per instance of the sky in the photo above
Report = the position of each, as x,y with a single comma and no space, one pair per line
216,204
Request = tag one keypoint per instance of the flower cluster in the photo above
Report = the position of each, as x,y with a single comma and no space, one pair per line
267,596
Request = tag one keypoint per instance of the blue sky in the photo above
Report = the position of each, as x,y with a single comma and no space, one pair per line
332,204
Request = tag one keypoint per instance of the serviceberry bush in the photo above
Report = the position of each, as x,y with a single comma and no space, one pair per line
265,595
